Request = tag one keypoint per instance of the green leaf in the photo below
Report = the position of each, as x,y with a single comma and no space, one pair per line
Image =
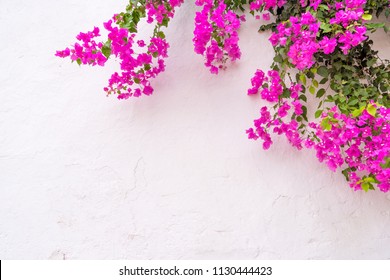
323,71
325,124
278,58
161,35
302,78
371,110
346,172
304,114
318,113
320,93
353,102
106,51
366,186
303,97
375,25
165,22
324,7
312,89
358,112
323,81
369,180
367,17
371,62
367,183
147,67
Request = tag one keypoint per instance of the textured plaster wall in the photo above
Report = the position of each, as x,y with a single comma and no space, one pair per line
171,176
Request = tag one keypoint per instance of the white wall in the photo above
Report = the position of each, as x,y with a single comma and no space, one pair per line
167,176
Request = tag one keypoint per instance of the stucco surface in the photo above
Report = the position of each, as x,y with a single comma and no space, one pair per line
171,176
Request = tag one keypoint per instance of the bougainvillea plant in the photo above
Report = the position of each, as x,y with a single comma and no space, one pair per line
323,52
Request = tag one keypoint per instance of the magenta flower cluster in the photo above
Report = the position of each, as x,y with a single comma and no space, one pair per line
161,10
137,67
299,35
362,144
88,51
271,88
215,34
